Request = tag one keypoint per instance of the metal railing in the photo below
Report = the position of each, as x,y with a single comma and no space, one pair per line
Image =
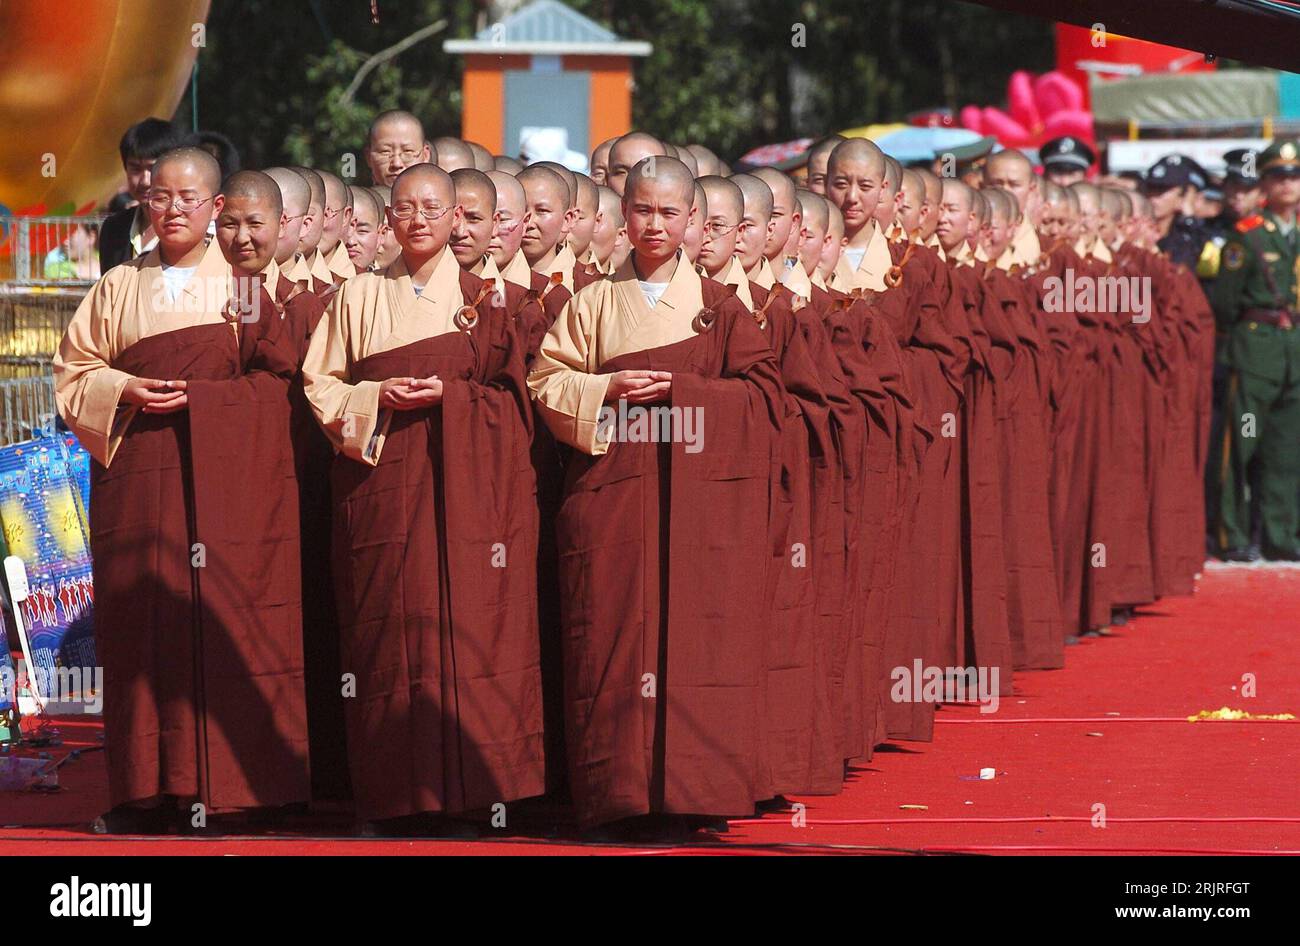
49,251
26,408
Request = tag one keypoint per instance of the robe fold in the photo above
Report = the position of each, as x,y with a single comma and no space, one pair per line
663,549
434,544
194,537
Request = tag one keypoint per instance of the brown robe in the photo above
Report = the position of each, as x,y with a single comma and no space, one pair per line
662,550
194,537
434,544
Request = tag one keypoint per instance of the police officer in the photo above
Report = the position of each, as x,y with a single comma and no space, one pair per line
1171,185
1066,160
1255,303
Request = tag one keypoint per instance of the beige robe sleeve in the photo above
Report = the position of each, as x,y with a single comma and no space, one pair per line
87,390
349,412
568,392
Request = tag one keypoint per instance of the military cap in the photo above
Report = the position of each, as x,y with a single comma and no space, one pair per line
1240,165
1281,157
1067,151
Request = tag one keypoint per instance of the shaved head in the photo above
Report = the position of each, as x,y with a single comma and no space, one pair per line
661,170
336,192
315,183
626,152
782,187
756,194
812,206
508,189
600,161
858,151
202,163
1014,173
725,198
706,162
684,155
570,179
512,214
395,142
482,157
452,154
409,180
294,192
540,176
507,164
467,180
255,187
366,203
393,120
818,156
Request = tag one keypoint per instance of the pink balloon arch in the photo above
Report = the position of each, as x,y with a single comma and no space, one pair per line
1039,108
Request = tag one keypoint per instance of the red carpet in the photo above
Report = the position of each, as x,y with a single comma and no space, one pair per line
1109,730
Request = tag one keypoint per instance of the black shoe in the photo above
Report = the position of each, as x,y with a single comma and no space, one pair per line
1241,554
1284,555
127,820
776,803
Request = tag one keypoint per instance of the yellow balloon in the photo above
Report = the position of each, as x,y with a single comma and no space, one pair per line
73,78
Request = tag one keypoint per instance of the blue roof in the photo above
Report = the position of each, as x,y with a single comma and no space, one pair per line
547,21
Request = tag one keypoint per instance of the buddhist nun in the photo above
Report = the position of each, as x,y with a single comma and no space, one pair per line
627,152
362,241
550,217
418,380
172,374
337,223
661,675
854,183
1011,171
395,142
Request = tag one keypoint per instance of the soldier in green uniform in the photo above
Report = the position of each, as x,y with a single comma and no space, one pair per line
1256,304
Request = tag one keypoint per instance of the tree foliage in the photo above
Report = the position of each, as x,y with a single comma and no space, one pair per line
731,74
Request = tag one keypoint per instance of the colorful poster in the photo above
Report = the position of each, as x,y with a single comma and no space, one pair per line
44,523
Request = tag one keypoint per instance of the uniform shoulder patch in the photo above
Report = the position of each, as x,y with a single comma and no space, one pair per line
1246,224
1234,256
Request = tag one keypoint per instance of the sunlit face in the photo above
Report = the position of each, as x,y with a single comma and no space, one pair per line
394,146
600,164
420,235
290,234
854,186
720,234
657,214
604,232
247,232
624,156
180,180
313,226
785,218
1053,221
584,226
909,209
512,219
139,177
547,205
363,237
812,244
1015,177
752,235
887,206
831,249
694,236
954,218
472,234
816,180
335,220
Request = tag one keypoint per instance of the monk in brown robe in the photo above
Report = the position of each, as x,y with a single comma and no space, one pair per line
588,205
725,208
362,240
513,223
609,222
172,375
1011,171
395,142
550,218
789,653
311,264
1033,605
661,674
986,641
418,381
337,222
